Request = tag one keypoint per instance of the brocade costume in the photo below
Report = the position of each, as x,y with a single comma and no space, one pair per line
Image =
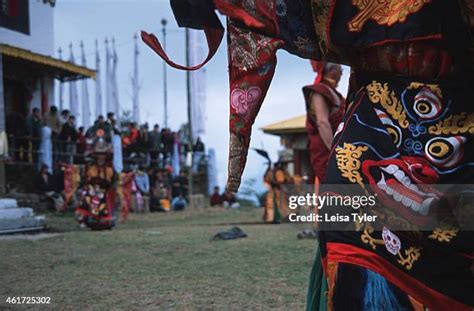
410,123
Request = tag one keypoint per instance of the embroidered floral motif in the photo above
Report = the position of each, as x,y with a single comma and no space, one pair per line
367,238
381,94
245,48
443,235
384,12
412,254
348,162
243,101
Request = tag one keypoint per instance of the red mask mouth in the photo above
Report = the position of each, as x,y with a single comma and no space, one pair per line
401,185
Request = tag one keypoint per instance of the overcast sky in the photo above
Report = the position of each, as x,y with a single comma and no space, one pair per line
88,20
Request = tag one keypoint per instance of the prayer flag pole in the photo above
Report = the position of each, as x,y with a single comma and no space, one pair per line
190,127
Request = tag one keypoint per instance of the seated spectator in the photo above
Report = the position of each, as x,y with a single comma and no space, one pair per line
45,184
180,185
230,201
216,198
142,180
159,200
179,203
143,186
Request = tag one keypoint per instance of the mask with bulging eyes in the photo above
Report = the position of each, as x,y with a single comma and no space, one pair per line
427,105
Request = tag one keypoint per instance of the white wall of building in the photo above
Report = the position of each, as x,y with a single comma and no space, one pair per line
41,38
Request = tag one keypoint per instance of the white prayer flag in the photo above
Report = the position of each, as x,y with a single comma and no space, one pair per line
73,95
86,111
98,87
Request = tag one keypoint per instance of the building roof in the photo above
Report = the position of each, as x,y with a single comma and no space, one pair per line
62,70
294,125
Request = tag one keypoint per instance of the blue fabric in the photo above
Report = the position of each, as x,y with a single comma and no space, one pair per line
178,203
46,149
175,160
143,182
118,159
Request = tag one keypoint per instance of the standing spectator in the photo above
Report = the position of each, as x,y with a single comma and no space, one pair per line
167,138
80,146
143,140
115,128
51,120
68,138
132,136
110,123
65,114
198,150
33,127
198,146
155,145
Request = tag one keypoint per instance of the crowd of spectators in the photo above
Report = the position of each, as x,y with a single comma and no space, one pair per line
154,155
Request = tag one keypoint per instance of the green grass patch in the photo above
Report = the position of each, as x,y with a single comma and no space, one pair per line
162,261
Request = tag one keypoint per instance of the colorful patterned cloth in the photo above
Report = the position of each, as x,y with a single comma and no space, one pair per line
95,209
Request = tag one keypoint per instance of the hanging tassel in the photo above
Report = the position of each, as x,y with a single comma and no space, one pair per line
378,294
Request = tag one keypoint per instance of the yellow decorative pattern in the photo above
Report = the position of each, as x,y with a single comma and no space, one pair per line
433,88
348,162
367,238
443,235
412,254
455,124
381,94
384,12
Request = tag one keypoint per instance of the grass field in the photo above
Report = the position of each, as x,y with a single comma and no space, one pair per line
160,262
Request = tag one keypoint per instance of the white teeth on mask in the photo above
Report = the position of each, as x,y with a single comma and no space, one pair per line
397,196
381,183
407,202
415,206
399,175
389,191
391,169
414,187
425,206
424,211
